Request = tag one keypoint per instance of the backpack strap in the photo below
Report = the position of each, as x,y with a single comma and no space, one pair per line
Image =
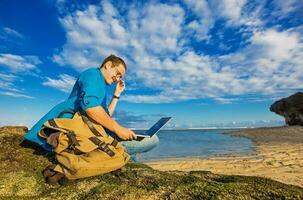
72,139
102,146
90,125
114,143
53,123
70,111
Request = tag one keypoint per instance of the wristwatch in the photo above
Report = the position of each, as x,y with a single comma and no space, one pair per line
116,97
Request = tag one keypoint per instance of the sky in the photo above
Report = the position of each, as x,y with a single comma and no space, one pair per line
213,63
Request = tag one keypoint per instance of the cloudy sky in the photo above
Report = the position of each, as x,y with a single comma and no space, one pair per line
205,63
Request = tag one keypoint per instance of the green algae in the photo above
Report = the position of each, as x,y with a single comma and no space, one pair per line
20,184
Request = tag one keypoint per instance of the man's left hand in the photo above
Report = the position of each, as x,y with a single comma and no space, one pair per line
119,88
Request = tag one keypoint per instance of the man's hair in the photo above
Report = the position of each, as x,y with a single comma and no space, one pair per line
115,60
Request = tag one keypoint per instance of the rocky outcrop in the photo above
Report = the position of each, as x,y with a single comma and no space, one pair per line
291,108
21,130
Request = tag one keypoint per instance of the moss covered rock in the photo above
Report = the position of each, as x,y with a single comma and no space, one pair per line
21,164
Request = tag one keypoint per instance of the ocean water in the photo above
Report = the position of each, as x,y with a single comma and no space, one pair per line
196,143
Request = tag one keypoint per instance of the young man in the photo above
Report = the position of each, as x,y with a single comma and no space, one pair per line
89,95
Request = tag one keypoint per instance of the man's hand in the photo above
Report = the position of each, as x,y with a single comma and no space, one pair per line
125,134
119,88
99,115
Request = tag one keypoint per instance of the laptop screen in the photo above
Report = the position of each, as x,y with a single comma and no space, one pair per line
156,127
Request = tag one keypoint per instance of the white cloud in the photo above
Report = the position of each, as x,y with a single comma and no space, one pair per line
96,32
64,83
154,42
148,98
14,94
9,89
277,44
205,18
8,86
157,28
283,8
221,100
270,65
18,63
231,10
11,33
91,36
7,77
272,62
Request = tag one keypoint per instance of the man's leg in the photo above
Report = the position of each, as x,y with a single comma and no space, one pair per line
134,147
145,145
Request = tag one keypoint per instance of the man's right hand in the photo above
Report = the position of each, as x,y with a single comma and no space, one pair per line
125,134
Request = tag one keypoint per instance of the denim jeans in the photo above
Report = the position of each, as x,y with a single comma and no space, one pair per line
134,147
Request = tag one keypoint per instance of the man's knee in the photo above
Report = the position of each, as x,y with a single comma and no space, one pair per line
145,145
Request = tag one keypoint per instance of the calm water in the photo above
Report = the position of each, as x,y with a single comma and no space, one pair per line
196,143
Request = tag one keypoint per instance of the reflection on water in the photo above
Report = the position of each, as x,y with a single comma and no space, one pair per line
196,143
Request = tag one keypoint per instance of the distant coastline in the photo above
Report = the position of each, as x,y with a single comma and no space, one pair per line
209,128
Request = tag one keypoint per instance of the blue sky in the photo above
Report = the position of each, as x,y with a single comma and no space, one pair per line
205,63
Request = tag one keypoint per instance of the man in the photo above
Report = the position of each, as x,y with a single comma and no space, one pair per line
89,95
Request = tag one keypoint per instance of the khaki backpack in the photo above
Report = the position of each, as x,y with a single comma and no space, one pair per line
82,148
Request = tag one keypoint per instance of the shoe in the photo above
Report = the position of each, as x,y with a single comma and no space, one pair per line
52,177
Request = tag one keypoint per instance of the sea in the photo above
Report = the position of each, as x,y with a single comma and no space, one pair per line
197,143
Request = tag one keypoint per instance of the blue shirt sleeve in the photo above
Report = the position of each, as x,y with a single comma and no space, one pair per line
104,104
92,89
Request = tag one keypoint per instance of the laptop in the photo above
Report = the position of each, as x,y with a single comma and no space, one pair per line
154,129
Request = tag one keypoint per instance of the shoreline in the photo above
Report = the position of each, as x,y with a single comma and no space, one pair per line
218,156
278,155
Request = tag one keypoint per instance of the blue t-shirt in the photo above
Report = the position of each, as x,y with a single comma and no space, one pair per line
88,91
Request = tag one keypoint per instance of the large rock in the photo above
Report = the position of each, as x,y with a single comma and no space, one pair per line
291,108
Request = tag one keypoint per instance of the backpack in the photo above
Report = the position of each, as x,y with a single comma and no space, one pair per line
82,149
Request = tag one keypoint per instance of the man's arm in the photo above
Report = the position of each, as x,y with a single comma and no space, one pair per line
113,103
99,115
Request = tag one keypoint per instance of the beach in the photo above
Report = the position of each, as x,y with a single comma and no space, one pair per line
278,156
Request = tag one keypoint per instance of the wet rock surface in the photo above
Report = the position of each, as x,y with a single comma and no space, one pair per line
273,135
21,164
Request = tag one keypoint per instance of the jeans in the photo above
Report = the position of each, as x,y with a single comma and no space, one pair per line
134,147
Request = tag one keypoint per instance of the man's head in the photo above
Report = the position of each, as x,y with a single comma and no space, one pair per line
113,69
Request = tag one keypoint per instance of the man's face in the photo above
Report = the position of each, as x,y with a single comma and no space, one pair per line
113,73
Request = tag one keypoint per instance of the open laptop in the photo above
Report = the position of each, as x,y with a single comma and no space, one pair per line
154,129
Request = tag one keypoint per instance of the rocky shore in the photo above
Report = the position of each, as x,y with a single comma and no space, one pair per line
21,165
273,135
278,155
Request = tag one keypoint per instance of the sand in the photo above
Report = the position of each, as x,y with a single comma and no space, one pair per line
278,156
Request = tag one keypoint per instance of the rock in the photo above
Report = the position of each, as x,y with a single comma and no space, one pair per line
291,108
20,130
